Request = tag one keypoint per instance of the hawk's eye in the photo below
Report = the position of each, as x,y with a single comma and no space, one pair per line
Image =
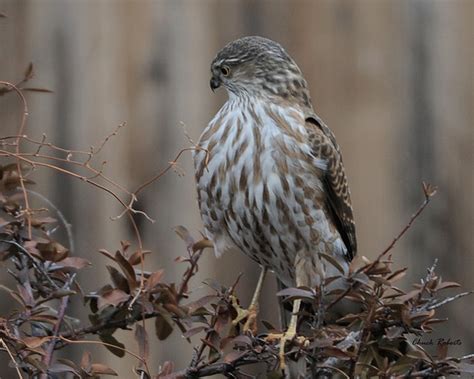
225,70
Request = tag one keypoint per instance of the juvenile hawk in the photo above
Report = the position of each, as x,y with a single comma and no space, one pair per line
270,177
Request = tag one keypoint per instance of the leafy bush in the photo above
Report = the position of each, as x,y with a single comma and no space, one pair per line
373,341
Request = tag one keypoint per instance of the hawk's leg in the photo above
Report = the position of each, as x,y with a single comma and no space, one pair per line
251,313
289,335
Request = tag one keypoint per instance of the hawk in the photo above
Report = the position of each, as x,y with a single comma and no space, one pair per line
269,173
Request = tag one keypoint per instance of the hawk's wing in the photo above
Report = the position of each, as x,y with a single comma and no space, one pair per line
335,181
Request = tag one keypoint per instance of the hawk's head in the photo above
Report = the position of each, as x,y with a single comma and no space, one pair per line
258,66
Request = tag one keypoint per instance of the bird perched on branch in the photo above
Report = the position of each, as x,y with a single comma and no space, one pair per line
269,173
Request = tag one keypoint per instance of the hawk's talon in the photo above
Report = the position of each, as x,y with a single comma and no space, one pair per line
250,315
288,336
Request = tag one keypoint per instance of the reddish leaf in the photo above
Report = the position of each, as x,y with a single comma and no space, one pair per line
163,327
34,342
397,275
125,245
166,370
136,257
114,346
101,369
141,336
191,332
418,353
296,293
74,262
127,269
201,302
176,310
52,251
114,297
410,295
234,355
213,341
86,361
423,315
444,285
349,318
435,321
29,72
49,319
154,279
107,254
118,279
26,294
40,221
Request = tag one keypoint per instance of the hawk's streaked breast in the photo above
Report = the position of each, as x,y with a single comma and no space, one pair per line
262,190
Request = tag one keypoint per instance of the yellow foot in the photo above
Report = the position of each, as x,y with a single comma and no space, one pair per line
251,323
250,315
288,336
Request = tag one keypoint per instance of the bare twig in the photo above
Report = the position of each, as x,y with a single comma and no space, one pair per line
15,364
429,192
143,361
48,356
449,300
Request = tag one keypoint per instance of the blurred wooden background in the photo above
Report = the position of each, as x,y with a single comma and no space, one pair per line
393,79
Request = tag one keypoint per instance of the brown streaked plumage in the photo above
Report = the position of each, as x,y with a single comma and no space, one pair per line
274,186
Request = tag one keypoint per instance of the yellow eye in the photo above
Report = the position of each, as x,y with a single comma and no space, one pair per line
225,70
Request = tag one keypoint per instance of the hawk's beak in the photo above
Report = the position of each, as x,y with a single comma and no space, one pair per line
215,83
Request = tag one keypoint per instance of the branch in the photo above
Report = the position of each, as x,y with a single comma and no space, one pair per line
48,356
14,362
429,191
219,368
449,300
21,129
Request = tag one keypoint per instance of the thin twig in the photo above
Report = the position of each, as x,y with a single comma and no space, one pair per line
49,350
429,192
449,300
15,364
109,345
189,273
